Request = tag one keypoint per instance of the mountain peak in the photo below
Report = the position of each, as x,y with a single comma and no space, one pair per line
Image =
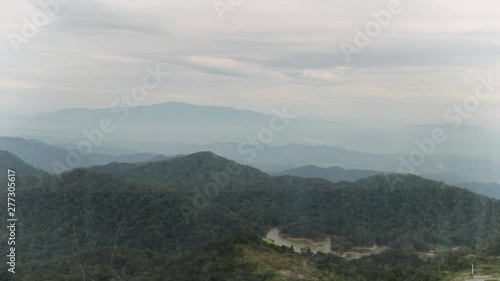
197,168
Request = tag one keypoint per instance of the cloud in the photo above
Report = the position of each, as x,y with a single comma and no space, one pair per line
83,18
17,84
263,55
325,75
225,66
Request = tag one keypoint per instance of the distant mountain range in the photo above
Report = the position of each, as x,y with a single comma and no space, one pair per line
271,159
43,156
333,174
469,154
173,122
489,189
337,174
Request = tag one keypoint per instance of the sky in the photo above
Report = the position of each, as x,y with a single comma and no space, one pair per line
259,55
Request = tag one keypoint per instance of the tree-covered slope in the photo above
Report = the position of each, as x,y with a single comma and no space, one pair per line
372,210
246,256
144,207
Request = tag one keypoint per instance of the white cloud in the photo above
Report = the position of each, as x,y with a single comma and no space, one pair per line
326,75
17,84
233,67
263,54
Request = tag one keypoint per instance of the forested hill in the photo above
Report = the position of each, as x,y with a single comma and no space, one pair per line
194,169
174,206
405,209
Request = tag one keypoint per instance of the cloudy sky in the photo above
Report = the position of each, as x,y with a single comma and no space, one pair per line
260,55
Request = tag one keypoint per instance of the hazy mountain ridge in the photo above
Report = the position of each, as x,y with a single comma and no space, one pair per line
470,153
206,124
42,155
488,189
333,174
452,169
337,174
9,161
272,159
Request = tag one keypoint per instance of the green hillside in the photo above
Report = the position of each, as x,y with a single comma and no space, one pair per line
145,216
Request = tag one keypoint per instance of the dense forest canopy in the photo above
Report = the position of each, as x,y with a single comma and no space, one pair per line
174,218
